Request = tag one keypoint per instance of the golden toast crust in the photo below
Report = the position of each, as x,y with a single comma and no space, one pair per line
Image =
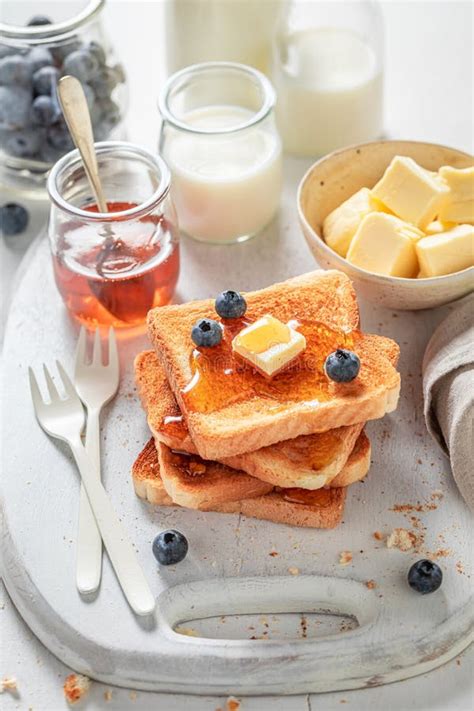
323,296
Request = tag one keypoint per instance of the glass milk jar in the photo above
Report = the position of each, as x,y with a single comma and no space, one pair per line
220,141
328,75
220,30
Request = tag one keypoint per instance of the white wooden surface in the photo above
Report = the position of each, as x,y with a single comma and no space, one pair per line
424,118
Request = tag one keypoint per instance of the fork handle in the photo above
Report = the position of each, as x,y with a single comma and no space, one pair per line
89,541
117,544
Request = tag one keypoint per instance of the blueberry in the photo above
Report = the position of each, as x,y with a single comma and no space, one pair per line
48,153
15,106
109,111
170,547
104,82
39,57
59,137
63,50
13,218
102,129
425,576
206,333
81,64
97,50
6,51
342,366
230,304
15,70
45,80
44,111
23,144
38,20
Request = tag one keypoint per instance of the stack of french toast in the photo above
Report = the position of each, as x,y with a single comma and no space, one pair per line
259,407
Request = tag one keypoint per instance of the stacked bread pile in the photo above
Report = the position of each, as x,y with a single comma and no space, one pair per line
225,438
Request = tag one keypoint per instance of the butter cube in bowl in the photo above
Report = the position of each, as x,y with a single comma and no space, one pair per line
370,211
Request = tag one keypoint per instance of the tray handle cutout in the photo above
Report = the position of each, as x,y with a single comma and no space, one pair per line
306,594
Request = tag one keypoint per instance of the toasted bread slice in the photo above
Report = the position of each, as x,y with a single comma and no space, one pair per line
309,461
324,511
357,465
231,410
199,484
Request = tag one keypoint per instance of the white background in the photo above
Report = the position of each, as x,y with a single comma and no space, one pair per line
429,81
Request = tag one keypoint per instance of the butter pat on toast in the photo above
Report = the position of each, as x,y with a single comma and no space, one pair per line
230,410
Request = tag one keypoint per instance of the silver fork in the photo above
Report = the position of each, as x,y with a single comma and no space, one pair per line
96,384
63,418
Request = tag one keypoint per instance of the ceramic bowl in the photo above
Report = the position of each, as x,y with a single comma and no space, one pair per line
339,175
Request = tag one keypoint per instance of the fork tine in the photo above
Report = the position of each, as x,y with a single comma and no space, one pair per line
35,391
68,386
81,348
52,390
113,353
97,354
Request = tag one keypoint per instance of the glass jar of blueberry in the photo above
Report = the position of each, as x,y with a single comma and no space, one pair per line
34,53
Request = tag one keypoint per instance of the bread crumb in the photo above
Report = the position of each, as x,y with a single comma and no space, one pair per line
273,554
437,494
232,704
378,535
345,558
402,539
371,584
76,687
108,695
187,631
293,570
133,696
8,684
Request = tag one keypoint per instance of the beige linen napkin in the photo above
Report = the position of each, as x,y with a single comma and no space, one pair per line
448,389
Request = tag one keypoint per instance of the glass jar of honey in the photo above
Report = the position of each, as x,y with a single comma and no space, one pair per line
112,268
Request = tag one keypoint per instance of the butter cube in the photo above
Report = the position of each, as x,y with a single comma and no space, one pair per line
384,244
269,345
447,252
459,206
411,192
341,224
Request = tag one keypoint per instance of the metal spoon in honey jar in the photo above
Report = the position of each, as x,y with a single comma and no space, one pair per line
119,297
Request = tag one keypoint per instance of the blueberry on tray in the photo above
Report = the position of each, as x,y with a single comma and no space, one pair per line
425,576
170,547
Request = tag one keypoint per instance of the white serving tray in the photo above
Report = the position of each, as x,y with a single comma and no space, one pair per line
229,570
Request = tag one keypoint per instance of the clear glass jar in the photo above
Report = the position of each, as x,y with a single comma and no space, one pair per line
328,73
33,133
220,30
111,268
220,140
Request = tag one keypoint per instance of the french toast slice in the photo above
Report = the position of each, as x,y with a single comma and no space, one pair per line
308,461
323,510
230,410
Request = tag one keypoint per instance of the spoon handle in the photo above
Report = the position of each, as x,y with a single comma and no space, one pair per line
76,112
